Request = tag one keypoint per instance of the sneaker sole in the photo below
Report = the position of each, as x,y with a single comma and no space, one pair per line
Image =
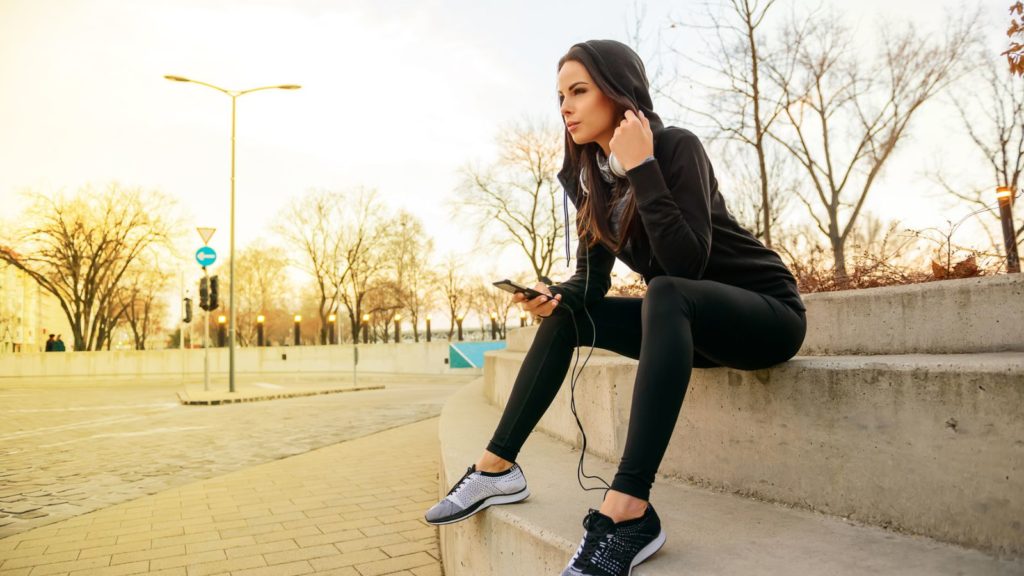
647,551
489,501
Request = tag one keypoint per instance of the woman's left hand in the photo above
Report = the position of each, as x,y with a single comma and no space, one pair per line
633,140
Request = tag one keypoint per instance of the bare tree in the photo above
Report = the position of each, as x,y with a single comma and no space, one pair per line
991,108
745,106
311,224
745,200
409,250
361,262
139,298
455,289
261,274
517,199
846,113
649,44
80,248
489,300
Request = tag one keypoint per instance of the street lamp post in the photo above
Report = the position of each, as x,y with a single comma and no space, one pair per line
366,320
298,323
259,329
1005,196
234,94
494,325
330,327
522,319
398,328
458,319
428,327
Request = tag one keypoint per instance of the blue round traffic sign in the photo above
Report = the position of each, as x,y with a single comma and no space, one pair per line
206,256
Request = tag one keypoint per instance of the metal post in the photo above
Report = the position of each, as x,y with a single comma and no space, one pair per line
428,328
1005,196
181,326
206,341
231,264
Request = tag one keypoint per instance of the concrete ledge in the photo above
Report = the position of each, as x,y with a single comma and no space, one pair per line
944,317
192,397
929,444
404,358
709,533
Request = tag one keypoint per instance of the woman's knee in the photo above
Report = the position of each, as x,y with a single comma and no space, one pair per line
667,294
555,328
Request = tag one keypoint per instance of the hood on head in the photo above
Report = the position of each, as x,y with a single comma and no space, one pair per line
623,69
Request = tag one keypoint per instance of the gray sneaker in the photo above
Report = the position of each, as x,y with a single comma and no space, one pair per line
477,490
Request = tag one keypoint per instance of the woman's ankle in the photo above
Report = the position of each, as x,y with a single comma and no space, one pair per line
492,463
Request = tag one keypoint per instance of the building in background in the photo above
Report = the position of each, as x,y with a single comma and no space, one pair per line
28,314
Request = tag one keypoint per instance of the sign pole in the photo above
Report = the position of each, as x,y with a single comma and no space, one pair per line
181,327
206,256
206,341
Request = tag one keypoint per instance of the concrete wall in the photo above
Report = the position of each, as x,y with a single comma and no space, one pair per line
409,358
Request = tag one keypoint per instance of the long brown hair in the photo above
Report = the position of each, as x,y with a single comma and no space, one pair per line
594,208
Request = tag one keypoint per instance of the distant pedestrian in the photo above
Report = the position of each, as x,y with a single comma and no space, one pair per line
58,344
49,343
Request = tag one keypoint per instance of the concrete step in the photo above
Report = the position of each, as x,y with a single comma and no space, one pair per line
946,317
709,532
929,444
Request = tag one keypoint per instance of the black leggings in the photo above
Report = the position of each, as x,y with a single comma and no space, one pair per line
680,324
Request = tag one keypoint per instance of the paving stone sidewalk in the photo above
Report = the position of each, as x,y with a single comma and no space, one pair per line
350,509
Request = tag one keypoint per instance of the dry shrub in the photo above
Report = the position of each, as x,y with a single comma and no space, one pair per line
898,258
878,264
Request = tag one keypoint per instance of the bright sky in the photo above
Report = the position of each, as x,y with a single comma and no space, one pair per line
396,95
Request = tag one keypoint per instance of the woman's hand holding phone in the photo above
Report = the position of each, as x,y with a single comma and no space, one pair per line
542,306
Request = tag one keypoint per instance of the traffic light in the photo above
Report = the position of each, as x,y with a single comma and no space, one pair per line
188,310
204,294
213,293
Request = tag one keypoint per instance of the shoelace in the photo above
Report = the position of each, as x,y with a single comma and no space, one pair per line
592,542
469,472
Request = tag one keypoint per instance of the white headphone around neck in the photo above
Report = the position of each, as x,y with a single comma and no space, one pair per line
615,166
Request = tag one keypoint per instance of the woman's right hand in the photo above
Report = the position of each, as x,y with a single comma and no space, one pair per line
542,306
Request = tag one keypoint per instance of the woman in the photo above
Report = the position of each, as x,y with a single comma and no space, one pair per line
716,296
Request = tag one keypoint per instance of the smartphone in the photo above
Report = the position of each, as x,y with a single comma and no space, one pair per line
510,286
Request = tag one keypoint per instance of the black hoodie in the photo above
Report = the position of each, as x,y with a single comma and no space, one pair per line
686,230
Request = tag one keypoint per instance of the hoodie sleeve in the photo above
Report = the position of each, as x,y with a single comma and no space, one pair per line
596,284
677,214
